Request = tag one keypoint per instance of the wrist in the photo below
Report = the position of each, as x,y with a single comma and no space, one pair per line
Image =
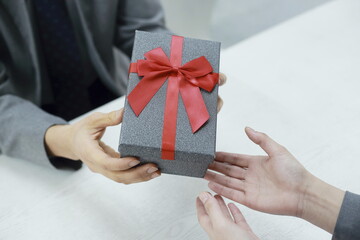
58,141
321,203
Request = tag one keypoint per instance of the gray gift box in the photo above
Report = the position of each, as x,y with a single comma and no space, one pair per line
141,136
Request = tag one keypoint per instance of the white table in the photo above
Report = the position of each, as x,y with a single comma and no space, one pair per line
299,82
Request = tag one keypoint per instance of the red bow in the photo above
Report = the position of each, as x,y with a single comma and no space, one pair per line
186,79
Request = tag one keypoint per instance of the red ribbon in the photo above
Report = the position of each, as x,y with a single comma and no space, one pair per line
186,79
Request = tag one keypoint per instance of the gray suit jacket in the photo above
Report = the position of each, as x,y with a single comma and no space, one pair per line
106,31
348,223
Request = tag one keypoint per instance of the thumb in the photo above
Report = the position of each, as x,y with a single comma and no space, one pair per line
264,141
212,207
103,120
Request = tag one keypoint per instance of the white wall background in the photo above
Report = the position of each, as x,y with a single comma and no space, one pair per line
230,21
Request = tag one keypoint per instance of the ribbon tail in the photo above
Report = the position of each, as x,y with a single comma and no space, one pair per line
194,105
171,103
170,119
144,91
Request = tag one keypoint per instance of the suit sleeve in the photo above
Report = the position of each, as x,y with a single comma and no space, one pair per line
145,15
22,130
348,223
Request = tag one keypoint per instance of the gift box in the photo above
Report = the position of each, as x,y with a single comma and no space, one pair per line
171,106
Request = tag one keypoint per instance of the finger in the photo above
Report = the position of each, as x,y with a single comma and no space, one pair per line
99,134
220,104
265,142
141,173
94,167
103,120
99,157
226,181
223,207
234,159
212,208
109,150
235,195
203,217
228,170
238,216
222,79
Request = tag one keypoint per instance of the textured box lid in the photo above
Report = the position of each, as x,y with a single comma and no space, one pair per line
141,136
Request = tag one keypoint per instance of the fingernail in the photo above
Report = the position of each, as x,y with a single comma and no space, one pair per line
220,106
204,196
250,129
224,78
133,163
155,175
151,170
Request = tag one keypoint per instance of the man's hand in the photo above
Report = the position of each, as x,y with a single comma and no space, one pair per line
222,81
276,183
81,141
220,224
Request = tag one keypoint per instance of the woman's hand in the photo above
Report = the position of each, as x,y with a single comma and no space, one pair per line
276,183
220,223
81,141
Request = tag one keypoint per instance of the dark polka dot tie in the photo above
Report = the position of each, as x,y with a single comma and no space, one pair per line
62,58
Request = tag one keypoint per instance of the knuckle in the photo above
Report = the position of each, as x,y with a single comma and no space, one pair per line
110,116
282,149
127,182
143,175
95,116
202,221
227,181
124,180
264,136
220,189
119,180
228,169
137,173
119,167
245,173
112,166
232,195
209,205
105,166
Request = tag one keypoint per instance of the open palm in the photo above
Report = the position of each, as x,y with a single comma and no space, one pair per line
275,183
